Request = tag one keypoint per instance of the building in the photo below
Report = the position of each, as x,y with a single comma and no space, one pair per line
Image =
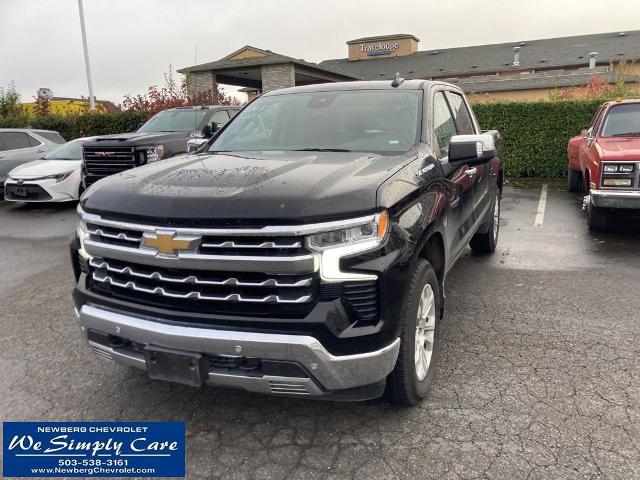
523,70
67,105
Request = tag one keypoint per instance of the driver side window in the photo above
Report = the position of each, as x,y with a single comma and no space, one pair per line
444,126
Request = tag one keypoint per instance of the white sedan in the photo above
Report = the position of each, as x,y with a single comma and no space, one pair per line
53,178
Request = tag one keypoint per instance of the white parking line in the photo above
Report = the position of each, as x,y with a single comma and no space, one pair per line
541,206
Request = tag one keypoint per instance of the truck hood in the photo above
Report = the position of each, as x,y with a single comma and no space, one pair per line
620,148
137,138
262,186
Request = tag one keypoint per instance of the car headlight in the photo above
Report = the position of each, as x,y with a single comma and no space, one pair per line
610,168
626,168
618,167
154,154
83,234
59,177
359,237
196,135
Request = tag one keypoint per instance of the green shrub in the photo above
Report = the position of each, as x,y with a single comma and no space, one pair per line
535,134
75,126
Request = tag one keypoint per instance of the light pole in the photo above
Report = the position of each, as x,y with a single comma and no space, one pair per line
92,100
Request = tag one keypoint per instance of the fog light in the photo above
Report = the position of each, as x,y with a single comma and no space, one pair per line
616,182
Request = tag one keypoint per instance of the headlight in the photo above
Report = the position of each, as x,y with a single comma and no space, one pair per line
626,168
154,154
83,234
61,176
610,168
333,245
196,135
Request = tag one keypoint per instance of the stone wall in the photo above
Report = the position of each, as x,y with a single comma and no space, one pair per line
202,82
277,76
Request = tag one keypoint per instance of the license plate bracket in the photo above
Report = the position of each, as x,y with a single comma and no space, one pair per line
176,366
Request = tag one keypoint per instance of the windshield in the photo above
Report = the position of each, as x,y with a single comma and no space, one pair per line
69,151
622,121
174,121
361,121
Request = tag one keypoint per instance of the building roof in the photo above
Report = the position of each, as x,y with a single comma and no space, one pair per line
561,79
551,53
380,38
269,58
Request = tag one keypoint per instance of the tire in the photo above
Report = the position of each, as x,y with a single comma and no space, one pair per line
597,218
410,381
574,181
487,242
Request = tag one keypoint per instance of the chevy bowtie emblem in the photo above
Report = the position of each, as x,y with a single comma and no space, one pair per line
169,243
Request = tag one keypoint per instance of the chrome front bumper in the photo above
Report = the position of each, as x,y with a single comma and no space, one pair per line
328,373
615,199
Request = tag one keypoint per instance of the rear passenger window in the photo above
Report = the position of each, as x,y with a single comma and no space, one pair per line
443,125
461,114
54,137
15,140
34,142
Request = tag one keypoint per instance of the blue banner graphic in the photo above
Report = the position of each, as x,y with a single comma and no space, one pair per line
93,449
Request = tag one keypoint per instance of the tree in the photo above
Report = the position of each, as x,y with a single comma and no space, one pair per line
171,95
9,101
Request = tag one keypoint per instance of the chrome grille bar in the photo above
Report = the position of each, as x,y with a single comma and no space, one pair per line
232,244
232,297
119,236
193,279
270,230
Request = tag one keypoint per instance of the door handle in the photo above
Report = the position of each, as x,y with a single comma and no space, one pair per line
471,172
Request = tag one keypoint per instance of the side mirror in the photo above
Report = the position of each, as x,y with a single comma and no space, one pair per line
216,126
584,132
207,131
472,149
139,125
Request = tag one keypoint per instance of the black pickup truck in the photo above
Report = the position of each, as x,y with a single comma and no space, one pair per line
304,252
164,135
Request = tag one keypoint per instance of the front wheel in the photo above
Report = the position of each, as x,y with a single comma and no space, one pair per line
486,242
411,379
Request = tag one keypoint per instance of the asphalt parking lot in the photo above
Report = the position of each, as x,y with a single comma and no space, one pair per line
539,375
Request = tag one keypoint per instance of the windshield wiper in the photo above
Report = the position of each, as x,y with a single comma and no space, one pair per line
321,150
627,134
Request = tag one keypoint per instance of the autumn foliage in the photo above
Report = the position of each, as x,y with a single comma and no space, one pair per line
172,95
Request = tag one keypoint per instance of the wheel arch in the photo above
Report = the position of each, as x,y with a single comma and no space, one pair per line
433,251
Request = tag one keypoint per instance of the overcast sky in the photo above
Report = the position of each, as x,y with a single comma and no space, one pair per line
132,42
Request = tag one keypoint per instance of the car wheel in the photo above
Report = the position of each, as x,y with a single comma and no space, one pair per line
411,379
486,242
597,218
574,181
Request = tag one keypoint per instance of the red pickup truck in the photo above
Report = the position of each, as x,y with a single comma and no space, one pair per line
604,162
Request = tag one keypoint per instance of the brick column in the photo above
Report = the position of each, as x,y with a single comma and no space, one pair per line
278,76
203,82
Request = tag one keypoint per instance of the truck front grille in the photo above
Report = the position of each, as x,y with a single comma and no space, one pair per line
100,162
197,290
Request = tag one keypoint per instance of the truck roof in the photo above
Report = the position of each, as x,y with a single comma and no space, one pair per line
364,85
